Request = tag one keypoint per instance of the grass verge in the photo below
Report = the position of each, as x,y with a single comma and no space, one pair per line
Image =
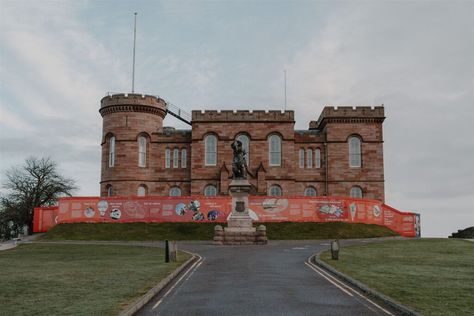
52,279
431,276
205,231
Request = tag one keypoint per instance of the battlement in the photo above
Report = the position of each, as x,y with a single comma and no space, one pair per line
132,102
348,114
241,115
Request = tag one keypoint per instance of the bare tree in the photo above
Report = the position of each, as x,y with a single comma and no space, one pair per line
36,183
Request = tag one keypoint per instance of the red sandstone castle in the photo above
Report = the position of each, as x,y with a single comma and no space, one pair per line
340,154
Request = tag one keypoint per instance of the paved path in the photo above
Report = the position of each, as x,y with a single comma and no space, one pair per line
259,280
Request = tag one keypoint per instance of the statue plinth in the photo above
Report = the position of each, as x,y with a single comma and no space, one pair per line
240,230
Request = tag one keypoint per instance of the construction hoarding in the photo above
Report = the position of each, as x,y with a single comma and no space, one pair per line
218,209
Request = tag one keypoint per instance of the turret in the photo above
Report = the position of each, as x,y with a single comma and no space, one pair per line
129,120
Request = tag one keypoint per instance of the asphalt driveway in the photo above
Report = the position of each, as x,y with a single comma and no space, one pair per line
259,280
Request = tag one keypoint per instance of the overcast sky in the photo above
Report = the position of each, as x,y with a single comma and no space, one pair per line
59,58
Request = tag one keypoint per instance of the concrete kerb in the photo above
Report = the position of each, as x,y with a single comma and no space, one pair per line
142,301
403,310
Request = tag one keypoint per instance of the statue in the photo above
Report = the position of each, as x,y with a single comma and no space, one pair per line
238,163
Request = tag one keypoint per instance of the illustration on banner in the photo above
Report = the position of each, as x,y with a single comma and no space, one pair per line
332,210
376,211
353,210
115,214
195,206
102,206
275,205
89,212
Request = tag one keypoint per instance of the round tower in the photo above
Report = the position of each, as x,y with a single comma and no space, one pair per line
128,124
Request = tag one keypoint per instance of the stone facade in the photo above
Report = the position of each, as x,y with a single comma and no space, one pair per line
126,118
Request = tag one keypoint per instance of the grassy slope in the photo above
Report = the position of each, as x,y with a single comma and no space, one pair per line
205,231
433,276
52,279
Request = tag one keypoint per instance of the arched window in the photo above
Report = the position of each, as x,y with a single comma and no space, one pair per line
210,190
275,190
354,152
210,143
112,151
167,158
309,156
142,151
175,191
141,191
310,191
356,192
301,157
110,190
184,157
274,144
246,146
176,158
317,154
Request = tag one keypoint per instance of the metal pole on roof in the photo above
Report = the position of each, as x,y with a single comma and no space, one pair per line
285,88
134,42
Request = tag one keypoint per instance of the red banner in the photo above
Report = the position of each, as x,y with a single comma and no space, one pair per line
217,209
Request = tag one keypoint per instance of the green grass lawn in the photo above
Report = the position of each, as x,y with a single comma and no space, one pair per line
52,279
432,276
205,231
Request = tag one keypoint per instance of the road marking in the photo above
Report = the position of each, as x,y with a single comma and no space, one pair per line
299,248
193,268
324,273
334,283
325,244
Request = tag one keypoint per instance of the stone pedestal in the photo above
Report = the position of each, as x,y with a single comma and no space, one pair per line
240,230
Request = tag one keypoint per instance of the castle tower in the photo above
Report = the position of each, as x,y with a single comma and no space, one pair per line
129,121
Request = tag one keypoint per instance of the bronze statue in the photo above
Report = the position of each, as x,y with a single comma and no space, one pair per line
238,163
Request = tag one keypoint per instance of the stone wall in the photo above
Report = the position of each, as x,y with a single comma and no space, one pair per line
127,117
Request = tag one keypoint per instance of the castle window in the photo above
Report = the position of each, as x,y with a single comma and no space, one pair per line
110,190
210,190
141,191
309,156
176,158
275,150
354,152
310,191
210,143
275,190
175,191
112,151
141,151
167,158
317,154
301,158
246,146
183,157
356,192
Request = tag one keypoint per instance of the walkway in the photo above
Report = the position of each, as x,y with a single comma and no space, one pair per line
259,280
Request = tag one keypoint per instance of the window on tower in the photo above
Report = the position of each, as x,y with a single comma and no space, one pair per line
167,158
112,151
183,157
142,151
317,154
176,158
210,143
355,155
274,144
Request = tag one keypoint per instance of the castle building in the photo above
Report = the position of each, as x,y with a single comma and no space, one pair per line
340,154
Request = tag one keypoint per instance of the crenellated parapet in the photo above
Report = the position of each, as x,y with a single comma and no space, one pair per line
242,116
132,102
348,114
